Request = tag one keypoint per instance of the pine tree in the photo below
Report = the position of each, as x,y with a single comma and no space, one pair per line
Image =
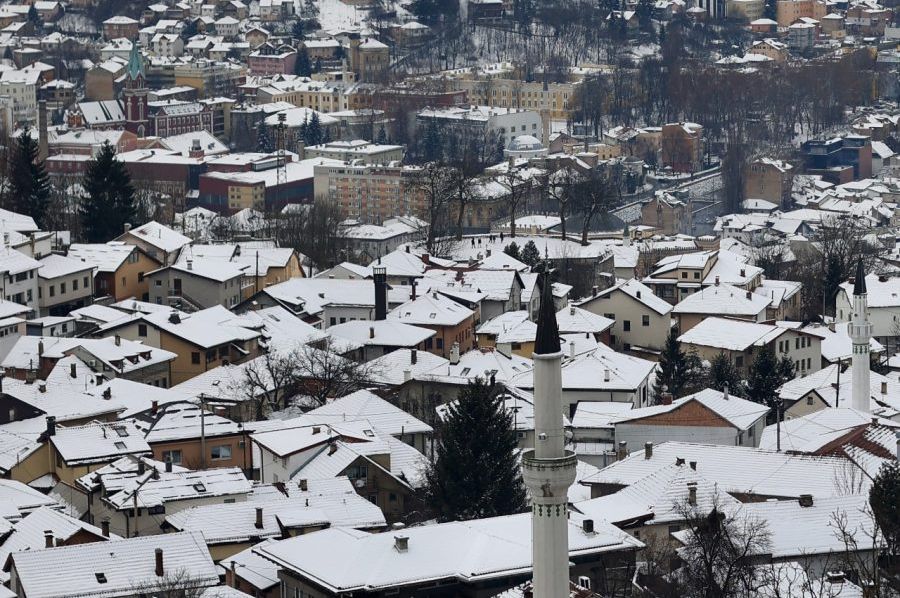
34,18
297,30
110,201
381,139
263,139
475,472
767,373
530,254
303,67
512,250
675,368
312,135
883,498
29,186
722,373
432,145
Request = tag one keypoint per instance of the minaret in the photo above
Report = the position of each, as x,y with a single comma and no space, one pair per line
549,469
860,331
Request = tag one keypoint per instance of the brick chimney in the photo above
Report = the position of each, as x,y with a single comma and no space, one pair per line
160,571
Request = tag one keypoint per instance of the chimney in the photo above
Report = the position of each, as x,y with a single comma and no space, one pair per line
692,465
717,281
159,563
571,309
104,527
48,538
40,348
407,375
725,391
379,277
169,465
304,485
806,500
606,375
749,295
107,392
831,326
648,450
190,264
743,273
118,342
42,386
594,290
371,332
665,397
638,294
259,513
413,356
588,526
73,370
174,318
332,448
692,493
412,294
154,407
454,354
401,543
622,451
51,425
426,259
126,227
572,349
884,387
141,467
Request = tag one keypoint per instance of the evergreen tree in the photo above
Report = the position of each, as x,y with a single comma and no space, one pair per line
34,18
297,30
512,250
770,11
884,498
189,30
264,139
675,368
530,254
303,67
312,135
432,145
475,472
29,186
110,201
381,138
722,373
766,374
662,34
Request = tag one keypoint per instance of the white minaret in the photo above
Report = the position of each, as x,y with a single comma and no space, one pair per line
860,331
549,469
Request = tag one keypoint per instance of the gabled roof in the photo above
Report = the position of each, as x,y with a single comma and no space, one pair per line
98,442
106,257
724,300
574,319
182,421
364,404
18,499
732,335
636,290
384,333
587,371
30,532
113,568
158,235
431,309
155,488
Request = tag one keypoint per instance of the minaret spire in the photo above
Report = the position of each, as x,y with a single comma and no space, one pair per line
860,331
549,469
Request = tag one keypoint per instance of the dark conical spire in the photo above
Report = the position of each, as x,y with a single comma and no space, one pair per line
547,340
859,285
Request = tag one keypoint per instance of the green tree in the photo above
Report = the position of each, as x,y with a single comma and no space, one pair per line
676,368
381,138
110,201
722,373
29,185
530,254
766,374
297,30
303,67
512,250
264,139
34,18
432,144
312,134
884,498
475,472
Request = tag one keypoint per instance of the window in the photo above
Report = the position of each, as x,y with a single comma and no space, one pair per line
697,275
121,431
195,357
223,352
210,355
120,445
645,320
75,284
173,456
739,361
101,577
142,330
220,453
797,343
358,472
684,274
439,343
332,321
626,325
157,282
140,277
809,400
52,291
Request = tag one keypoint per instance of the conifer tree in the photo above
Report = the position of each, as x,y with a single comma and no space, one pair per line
381,138
475,472
723,374
883,498
766,374
530,254
432,145
512,250
303,67
110,201
675,367
312,134
263,139
29,185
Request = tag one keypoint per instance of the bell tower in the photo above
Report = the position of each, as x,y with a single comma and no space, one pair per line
134,96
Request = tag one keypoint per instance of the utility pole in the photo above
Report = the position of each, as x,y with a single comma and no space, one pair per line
202,435
779,404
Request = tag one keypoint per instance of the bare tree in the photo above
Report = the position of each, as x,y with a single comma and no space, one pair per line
561,186
435,183
517,184
314,231
174,584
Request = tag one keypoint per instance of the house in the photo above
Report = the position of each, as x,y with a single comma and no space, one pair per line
135,495
720,300
197,284
387,563
250,573
368,340
600,375
202,340
78,450
769,179
384,416
502,289
739,341
64,284
119,269
832,387
682,147
184,434
709,416
452,323
784,299
641,319
99,569
486,334
668,214
300,508
156,240
18,273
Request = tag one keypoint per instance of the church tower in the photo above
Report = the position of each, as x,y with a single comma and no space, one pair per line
549,469
860,331
134,96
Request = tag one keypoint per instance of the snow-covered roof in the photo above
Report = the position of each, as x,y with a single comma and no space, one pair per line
723,299
738,412
386,333
637,291
732,335
364,404
588,371
98,442
431,309
56,266
158,235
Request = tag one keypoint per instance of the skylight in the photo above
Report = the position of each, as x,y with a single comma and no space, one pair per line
101,577
120,445
199,487
122,431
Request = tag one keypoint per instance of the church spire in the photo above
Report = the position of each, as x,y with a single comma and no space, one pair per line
860,331
547,339
135,66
